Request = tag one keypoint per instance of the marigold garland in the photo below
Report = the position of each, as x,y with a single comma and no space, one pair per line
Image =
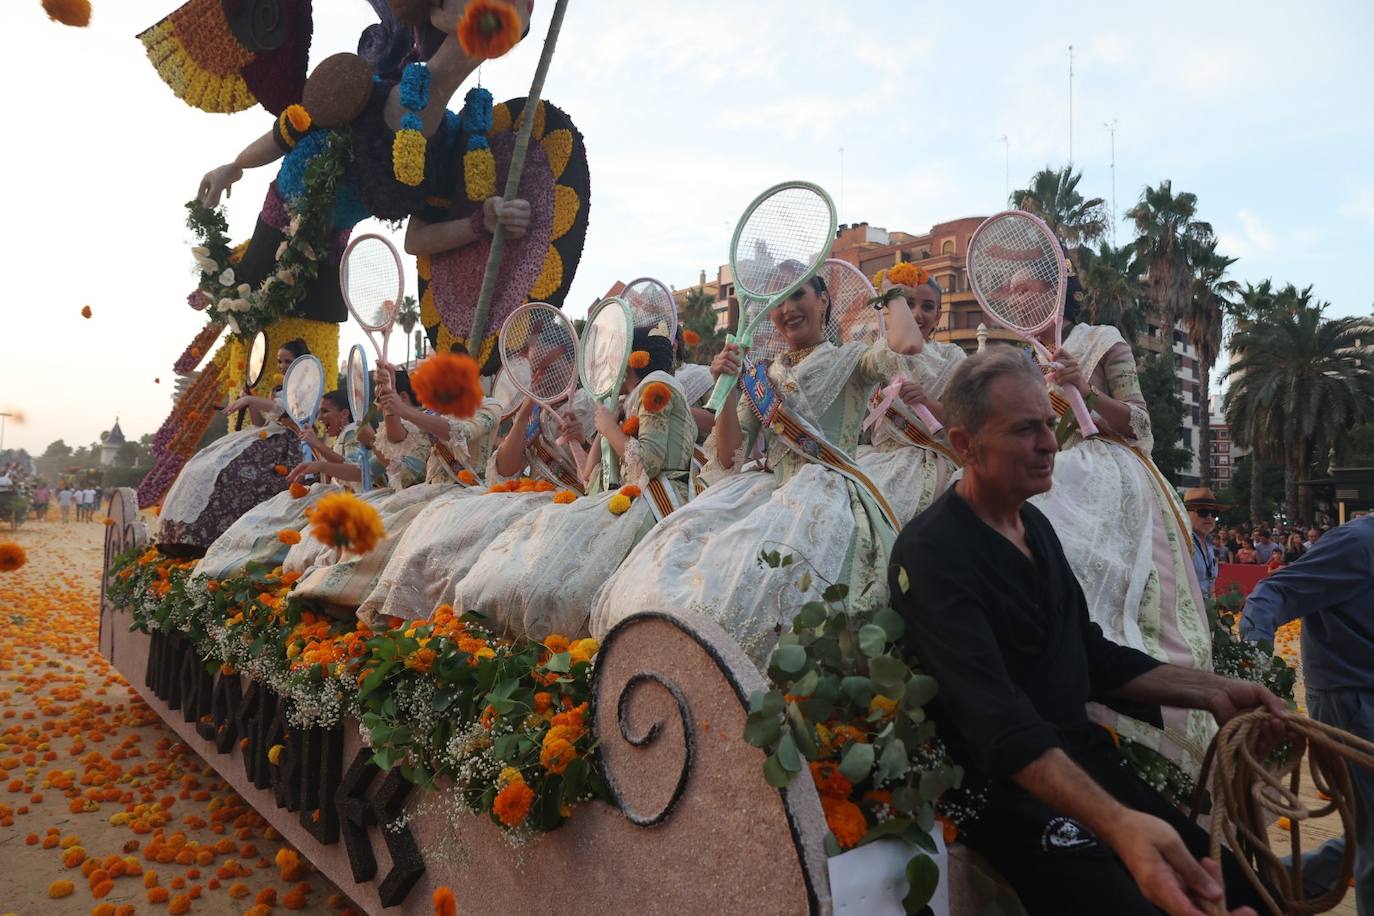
639,359
488,29
449,383
408,157
343,520
656,396
12,556
75,13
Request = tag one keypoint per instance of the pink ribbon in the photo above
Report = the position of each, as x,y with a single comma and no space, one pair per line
889,395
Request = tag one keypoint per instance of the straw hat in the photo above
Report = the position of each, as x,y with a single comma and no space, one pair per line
1202,498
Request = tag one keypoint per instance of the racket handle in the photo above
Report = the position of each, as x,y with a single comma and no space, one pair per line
1086,427
607,471
933,425
721,393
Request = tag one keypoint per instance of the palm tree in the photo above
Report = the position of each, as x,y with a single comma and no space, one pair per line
1168,235
1203,320
1301,382
408,316
1111,289
1254,303
1053,196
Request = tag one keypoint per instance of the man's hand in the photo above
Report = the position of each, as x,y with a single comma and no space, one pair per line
513,216
1163,868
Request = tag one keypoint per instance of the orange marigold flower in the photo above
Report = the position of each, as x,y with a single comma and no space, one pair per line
845,820
584,650
906,274
345,521
75,13
421,660
690,338
12,556
299,117
288,536
619,504
85,309
951,830
829,781
639,359
281,469
512,804
60,889
449,383
489,28
298,490
444,904
556,643
563,497
630,427
656,396
107,522
631,491
543,701
467,477
556,755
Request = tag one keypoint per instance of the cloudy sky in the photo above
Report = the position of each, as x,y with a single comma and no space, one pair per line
689,109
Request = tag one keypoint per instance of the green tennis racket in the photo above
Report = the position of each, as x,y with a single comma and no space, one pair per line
780,242
604,357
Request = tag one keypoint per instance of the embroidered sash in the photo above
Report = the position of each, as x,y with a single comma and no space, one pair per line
901,419
799,435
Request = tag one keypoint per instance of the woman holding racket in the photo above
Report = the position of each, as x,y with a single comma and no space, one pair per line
807,500
1124,529
903,456
539,576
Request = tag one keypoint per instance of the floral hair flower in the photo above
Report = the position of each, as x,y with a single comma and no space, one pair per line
75,13
656,396
448,383
906,273
289,536
690,338
620,504
639,359
630,427
489,28
12,556
343,520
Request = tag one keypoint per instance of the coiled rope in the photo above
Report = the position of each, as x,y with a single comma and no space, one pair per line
1246,791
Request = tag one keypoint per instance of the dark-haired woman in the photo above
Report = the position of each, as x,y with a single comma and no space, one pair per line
538,576
805,497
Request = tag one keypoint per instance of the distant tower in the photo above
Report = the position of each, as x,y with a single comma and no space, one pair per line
110,443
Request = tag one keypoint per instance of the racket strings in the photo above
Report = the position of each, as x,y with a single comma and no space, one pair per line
783,237
851,315
1014,269
651,305
539,349
372,282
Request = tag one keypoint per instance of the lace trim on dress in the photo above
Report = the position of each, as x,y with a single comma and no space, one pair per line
631,464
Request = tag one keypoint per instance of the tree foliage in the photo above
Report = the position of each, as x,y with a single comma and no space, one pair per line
1159,387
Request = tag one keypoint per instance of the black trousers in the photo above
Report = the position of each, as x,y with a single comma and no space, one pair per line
1057,866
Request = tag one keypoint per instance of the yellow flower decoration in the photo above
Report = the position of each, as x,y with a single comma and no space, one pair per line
479,173
558,146
500,119
422,267
408,157
565,206
298,117
550,278
620,504
537,131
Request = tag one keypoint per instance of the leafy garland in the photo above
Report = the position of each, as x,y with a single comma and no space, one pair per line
246,310
504,722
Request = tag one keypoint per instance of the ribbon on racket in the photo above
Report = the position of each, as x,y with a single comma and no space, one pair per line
909,428
547,465
883,400
449,459
800,436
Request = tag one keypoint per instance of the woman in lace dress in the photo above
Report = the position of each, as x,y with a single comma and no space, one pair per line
912,475
705,558
539,575
413,438
1126,533
450,533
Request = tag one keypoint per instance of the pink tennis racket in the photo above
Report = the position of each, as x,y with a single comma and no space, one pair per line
1019,274
651,304
539,350
373,284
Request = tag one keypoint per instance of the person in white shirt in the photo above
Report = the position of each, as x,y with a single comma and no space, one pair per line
92,499
64,501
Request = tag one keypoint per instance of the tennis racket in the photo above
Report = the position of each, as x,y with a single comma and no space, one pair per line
359,389
783,236
302,388
539,349
651,304
1018,271
257,365
373,285
604,357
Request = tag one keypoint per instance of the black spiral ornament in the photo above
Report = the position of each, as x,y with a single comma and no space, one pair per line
260,25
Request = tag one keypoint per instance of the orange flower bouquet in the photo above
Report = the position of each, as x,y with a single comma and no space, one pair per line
449,383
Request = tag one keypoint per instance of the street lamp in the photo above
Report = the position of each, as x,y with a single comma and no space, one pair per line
3,418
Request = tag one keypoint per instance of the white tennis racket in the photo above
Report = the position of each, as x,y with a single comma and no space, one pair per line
373,285
302,390
257,367
783,236
602,361
651,304
359,388
1019,273
539,350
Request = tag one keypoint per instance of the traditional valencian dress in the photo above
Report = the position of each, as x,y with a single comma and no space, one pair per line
705,558
449,535
346,581
539,576
1126,535
910,466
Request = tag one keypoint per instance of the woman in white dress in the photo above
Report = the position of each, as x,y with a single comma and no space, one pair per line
1125,533
538,576
450,533
806,501
911,466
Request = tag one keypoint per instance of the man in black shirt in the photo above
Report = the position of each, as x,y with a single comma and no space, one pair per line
994,612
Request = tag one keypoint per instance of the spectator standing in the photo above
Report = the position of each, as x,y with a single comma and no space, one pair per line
1203,509
41,497
1247,554
1264,545
65,498
1219,545
1233,543
1295,549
